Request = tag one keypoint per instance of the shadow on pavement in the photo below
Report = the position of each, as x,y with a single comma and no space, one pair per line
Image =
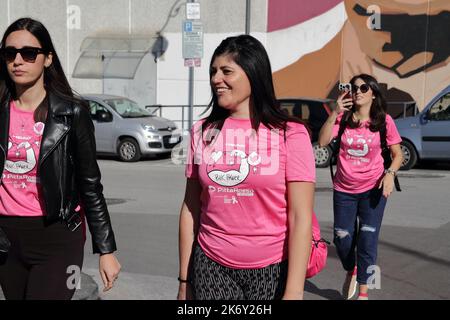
433,165
329,294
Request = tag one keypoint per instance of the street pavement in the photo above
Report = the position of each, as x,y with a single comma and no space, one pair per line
144,200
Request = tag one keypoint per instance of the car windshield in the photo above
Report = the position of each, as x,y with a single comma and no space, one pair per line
127,108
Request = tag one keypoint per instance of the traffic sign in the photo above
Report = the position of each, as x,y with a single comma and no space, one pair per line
193,11
194,62
192,39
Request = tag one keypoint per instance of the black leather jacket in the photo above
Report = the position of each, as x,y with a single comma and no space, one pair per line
68,168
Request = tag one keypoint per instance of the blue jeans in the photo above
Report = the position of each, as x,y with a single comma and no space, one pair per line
367,208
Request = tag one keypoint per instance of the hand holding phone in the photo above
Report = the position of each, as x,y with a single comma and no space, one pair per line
347,87
345,100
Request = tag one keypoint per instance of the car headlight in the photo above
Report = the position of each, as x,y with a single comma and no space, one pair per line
149,127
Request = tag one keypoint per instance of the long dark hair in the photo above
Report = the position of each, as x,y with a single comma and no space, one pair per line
55,80
377,109
250,55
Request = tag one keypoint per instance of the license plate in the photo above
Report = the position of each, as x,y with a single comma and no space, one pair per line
173,139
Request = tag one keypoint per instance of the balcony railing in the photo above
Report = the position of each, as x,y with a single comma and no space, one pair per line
170,111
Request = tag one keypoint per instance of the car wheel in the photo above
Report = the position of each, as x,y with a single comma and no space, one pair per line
322,155
409,155
128,150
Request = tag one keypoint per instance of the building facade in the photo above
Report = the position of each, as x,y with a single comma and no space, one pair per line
106,46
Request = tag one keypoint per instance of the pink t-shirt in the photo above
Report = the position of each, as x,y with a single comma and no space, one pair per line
360,163
243,222
19,184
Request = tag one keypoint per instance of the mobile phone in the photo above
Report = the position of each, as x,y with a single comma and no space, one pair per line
346,87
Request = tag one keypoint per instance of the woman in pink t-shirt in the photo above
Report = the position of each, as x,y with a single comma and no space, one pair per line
245,222
49,170
361,184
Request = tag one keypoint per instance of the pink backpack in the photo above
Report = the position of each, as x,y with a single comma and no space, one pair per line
319,250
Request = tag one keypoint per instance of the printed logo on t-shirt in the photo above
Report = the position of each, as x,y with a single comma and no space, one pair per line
358,147
229,169
236,157
38,128
361,146
20,166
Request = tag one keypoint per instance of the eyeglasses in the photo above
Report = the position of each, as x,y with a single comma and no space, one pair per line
28,54
364,88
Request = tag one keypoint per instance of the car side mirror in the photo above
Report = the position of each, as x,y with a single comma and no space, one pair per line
103,116
425,117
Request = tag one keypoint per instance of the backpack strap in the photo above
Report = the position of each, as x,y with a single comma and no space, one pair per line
335,144
386,153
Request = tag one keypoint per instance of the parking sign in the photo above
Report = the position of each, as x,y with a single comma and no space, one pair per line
188,26
192,39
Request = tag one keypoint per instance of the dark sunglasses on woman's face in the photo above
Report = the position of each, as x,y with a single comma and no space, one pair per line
364,88
28,54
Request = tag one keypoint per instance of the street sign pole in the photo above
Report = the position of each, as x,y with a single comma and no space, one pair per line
192,49
191,98
247,16
191,92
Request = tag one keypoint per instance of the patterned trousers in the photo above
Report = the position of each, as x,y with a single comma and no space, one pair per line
212,281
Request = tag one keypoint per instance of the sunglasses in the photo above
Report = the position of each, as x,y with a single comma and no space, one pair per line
364,88
28,54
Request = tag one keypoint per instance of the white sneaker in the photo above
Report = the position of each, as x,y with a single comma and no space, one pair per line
349,286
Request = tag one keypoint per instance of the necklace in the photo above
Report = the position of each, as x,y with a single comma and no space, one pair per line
22,118
22,126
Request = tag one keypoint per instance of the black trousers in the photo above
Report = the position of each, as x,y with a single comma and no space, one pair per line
44,261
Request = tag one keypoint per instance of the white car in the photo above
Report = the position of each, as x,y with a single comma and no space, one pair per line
129,131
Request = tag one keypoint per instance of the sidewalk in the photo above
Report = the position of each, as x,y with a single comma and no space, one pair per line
132,286
88,289
414,265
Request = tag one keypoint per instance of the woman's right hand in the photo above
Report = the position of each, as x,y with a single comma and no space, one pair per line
184,292
109,268
342,103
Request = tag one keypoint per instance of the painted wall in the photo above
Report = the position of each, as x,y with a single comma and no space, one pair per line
404,44
166,82
312,44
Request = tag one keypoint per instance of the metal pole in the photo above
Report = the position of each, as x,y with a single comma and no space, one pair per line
182,118
191,94
191,98
247,16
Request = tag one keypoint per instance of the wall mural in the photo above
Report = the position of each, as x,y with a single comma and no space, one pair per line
404,44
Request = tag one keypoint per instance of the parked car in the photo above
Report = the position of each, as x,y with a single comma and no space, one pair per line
426,136
314,112
129,131
401,109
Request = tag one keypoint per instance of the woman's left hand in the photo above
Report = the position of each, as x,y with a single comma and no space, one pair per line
109,269
387,183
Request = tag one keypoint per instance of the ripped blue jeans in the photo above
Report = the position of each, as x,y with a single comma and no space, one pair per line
357,222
